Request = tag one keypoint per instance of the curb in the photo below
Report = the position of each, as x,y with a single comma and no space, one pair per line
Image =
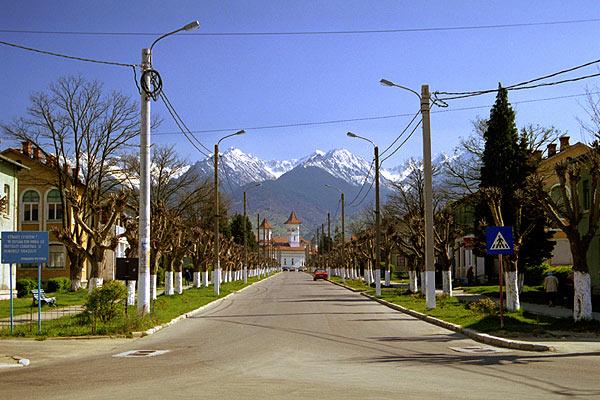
472,334
190,314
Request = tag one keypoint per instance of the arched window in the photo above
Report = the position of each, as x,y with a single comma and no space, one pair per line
55,207
31,205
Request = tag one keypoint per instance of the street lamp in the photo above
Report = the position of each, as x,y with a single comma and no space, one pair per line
144,217
217,266
427,190
377,215
246,238
343,230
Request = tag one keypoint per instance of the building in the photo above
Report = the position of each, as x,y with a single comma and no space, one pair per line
289,250
9,170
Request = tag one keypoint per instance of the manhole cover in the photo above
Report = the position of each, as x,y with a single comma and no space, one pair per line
141,353
476,349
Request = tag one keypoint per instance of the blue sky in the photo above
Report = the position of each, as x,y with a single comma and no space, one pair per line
233,82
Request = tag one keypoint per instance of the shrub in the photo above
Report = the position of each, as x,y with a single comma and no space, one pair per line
106,302
58,285
561,272
485,305
25,286
534,274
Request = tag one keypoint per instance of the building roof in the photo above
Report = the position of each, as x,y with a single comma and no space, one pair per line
293,220
265,224
13,163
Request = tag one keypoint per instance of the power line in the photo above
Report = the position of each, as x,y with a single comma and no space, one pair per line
362,186
331,122
522,85
366,194
50,53
403,142
401,133
312,33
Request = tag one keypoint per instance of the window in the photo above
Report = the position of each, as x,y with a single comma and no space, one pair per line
7,199
56,256
55,207
292,261
31,203
585,194
285,261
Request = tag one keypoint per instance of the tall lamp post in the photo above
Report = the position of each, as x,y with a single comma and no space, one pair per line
377,215
246,239
144,217
217,266
427,190
343,232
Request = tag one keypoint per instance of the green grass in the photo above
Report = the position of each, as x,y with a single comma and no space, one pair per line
23,305
515,323
164,309
353,283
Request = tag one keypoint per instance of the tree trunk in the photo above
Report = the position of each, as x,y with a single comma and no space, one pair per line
388,274
94,283
179,282
512,291
197,280
521,281
413,285
447,282
153,286
423,283
582,303
131,292
75,270
205,278
169,283
96,279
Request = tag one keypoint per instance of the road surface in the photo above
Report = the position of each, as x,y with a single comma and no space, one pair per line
291,338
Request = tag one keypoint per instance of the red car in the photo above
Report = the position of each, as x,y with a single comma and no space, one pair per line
320,274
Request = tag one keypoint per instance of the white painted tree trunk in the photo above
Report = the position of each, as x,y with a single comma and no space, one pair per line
94,283
423,283
388,276
521,281
169,283
197,280
178,282
582,302
413,284
75,284
512,291
153,286
229,277
205,278
447,282
131,293
366,276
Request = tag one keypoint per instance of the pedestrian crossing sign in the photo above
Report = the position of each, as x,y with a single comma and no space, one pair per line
499,240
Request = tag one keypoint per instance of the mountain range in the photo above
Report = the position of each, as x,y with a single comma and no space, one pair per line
310,186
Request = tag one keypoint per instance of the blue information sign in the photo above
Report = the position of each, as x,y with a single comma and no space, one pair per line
499,240
24,247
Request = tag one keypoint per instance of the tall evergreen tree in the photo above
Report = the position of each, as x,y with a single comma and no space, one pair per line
237,231
506,164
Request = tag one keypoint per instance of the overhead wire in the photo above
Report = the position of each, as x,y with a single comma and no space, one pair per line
362,186
401,133
403,142
312,33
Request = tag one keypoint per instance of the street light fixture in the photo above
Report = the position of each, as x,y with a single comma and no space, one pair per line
427,190
217,266
377,215
343,232
144,217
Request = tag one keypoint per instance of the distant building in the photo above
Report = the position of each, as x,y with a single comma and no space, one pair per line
8,217
290,250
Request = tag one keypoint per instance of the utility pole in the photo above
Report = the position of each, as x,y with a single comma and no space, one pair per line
144,221
428,199
258,240
328,232
245,244
377,227
343,243
217,266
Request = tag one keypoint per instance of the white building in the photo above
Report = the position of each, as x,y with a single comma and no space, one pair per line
289,250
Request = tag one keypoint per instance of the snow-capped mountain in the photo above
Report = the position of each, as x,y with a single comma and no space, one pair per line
278,168
339,163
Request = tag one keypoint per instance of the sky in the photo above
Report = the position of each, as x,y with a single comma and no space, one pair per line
230,82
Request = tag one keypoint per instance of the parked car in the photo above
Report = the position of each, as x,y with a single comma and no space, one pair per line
320,274
285,268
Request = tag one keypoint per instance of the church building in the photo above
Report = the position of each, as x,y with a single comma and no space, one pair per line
289,250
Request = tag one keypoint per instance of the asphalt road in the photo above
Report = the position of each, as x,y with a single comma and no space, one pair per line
291,338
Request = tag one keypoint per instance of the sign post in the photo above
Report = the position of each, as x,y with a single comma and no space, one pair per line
23,247
499,241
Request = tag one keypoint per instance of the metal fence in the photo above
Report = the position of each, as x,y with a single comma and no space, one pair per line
30,319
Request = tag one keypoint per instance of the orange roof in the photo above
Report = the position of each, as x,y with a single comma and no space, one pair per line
293,220
265,224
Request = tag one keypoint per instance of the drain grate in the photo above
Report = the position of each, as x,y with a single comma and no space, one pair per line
141,353
477,349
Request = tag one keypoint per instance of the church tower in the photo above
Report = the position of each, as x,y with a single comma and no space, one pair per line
293,230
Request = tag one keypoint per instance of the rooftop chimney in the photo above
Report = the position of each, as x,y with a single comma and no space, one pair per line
27,148
551,149
564,142
37,153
